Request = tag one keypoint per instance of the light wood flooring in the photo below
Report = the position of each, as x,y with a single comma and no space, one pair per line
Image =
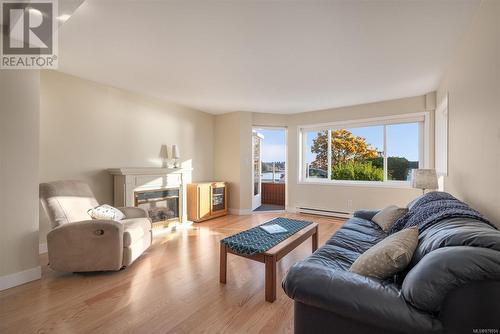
172,288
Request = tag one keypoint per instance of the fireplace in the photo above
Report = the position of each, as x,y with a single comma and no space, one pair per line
159,191
162,205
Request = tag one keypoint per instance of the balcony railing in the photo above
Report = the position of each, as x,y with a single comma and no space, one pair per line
273,193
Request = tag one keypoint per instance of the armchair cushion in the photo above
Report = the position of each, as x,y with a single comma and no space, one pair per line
133,212
106,211
135,229
67,201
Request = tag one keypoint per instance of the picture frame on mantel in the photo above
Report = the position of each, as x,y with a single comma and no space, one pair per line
441,122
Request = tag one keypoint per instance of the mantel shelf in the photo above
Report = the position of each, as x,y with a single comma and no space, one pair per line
148,171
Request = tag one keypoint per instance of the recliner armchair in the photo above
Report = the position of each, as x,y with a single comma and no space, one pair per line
78,243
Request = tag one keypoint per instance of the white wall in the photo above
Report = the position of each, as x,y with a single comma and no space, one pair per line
227,155
473,84
87,127
19,137
232,161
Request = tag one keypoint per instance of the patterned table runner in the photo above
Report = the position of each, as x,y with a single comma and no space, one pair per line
256,240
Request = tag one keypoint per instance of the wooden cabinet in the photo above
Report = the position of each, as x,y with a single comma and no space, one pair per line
206,200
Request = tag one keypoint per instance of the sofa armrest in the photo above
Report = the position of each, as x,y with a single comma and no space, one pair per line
365,214
132,212
443,270
353,296
90,245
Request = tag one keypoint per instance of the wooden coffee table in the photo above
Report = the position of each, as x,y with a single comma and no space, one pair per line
272,256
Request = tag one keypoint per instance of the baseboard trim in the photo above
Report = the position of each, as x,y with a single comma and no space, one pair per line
240,212
324,212
42,248
12,280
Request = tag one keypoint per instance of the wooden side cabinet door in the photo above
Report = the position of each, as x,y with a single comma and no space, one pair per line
192,202
204,200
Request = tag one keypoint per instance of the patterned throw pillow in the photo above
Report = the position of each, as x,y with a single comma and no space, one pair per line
106,212
389,256
388,216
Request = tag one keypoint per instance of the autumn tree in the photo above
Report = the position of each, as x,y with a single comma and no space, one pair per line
345,148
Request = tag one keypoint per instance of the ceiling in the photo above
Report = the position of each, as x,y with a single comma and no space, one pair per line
265,56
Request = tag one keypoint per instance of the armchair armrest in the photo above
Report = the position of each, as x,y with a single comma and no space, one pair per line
353,296
365,214
90,245
133,212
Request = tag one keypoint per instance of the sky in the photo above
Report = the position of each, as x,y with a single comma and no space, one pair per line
273,145
402,140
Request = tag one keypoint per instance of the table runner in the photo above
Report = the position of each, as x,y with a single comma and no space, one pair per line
256,240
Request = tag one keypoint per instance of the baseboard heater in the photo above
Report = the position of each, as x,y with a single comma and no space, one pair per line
323,212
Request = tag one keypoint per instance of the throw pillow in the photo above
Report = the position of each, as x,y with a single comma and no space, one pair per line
106,212
389,256
387,217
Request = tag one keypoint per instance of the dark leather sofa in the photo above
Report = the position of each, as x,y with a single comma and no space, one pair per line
451,286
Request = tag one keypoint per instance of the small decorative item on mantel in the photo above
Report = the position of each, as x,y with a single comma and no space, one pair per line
164,156
176,156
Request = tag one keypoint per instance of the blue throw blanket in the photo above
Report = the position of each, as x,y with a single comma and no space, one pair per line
434,207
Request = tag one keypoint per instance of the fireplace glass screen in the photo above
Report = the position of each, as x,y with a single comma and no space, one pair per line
161,204
218,199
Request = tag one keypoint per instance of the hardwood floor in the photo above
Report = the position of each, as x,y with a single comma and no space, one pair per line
173,288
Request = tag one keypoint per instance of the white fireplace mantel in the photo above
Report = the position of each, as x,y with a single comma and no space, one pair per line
128,180
148,171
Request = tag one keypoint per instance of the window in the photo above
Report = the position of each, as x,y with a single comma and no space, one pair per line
379,151
402,150
316,156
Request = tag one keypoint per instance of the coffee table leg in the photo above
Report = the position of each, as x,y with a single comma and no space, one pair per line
315,239
270,278
223,263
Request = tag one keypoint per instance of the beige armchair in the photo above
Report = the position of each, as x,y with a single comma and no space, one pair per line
78,243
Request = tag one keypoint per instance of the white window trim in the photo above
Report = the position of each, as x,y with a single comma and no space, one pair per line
424,147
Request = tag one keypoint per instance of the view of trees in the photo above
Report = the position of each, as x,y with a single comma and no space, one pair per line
268,166
354,159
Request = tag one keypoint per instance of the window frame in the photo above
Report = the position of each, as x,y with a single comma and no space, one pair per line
422,118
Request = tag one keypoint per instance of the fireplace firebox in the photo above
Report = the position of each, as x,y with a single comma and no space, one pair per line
162,205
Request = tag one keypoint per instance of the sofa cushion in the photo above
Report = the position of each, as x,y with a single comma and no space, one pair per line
367,214
456,232
389,256
388,216
334,257
443,270
357,235
135,229
362,299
